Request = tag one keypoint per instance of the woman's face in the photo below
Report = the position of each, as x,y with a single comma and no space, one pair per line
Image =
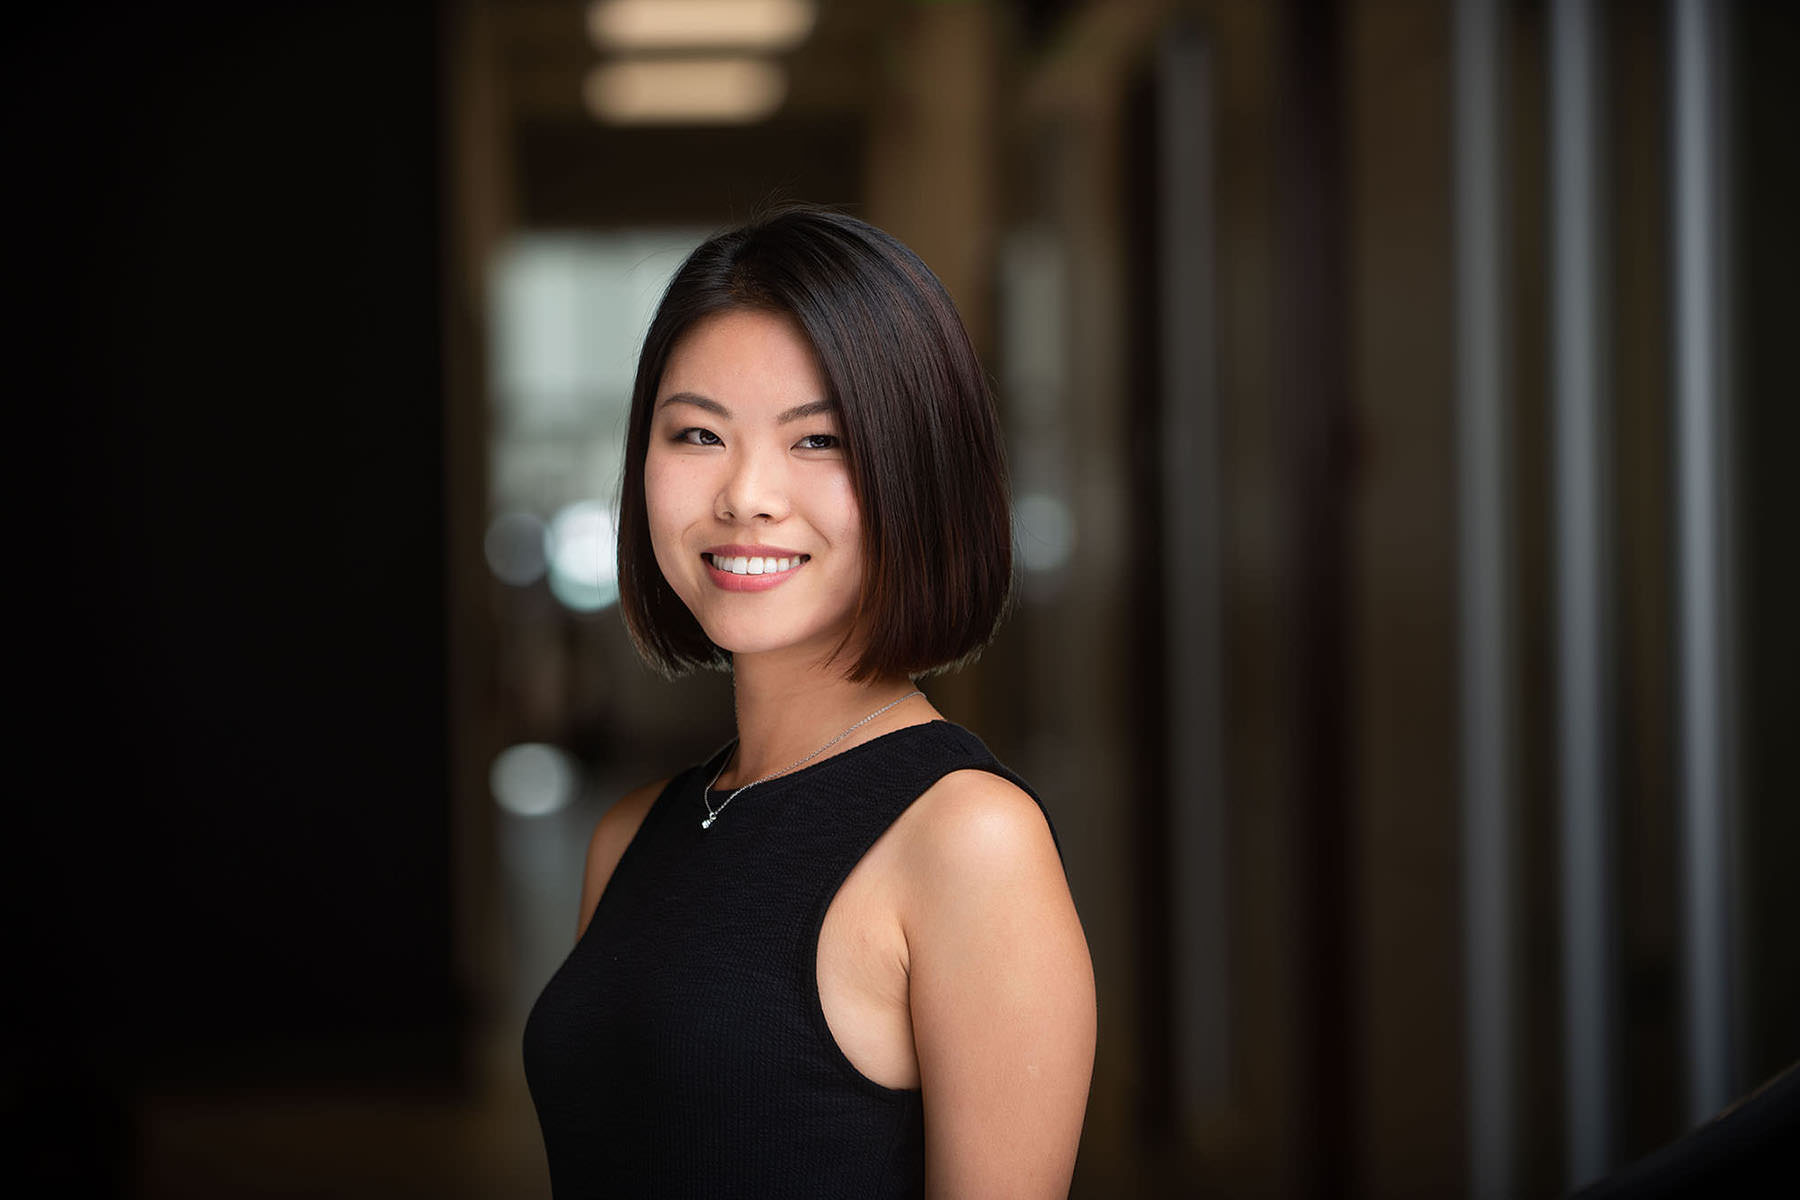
753,517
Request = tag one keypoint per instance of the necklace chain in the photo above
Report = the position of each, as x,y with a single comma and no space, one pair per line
712,814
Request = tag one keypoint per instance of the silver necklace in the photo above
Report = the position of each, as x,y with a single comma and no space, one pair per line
712,814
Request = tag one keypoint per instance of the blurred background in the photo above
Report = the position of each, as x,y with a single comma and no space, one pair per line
1401,408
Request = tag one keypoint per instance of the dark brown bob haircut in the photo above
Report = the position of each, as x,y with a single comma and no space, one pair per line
920,433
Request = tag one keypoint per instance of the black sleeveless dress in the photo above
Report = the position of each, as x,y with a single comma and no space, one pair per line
681,1049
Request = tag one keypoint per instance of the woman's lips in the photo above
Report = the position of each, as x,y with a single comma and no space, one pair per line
752,572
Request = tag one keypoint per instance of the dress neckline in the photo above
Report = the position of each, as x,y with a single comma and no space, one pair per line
718,757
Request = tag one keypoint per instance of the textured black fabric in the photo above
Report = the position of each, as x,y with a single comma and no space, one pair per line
680,1050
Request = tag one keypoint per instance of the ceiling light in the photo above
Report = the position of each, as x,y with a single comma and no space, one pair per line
693,91
771,26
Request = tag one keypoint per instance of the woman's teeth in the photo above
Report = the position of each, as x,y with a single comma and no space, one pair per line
755,566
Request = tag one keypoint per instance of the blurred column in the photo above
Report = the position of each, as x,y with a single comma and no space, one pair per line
479,211
1192,562
932,151
1314,415
1484,642
932,179
1702,551
1580,434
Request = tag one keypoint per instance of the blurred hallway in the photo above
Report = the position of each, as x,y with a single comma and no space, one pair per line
1401,611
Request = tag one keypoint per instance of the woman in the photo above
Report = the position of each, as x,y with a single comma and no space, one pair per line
840,957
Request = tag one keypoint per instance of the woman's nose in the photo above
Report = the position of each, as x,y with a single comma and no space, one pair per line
754,489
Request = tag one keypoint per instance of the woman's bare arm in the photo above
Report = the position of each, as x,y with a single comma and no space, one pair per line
1001,991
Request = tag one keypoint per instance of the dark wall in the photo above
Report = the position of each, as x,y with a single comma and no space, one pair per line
224,225
1768,498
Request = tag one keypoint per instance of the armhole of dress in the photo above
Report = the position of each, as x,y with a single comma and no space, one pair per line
816,922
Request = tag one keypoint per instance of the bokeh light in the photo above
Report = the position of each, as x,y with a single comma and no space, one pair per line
582,548
1044,530
533,779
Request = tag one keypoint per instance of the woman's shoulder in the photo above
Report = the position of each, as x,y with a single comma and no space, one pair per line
973,823
1000,988
612,833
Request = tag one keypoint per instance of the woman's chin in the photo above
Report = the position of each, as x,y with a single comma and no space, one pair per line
767,644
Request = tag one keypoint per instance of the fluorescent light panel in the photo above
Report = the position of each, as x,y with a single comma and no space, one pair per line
692,91
768,26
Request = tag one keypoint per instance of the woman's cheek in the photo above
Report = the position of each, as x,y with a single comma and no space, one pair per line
851,527
664,518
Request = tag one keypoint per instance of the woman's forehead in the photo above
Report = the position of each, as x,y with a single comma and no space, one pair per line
745,362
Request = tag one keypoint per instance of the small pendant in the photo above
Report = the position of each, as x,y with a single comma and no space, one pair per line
706,824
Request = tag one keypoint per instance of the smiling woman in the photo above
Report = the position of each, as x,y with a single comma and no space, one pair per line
775,456
867,333
867,978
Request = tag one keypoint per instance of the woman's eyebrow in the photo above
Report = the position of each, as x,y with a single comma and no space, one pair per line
801,411
698,401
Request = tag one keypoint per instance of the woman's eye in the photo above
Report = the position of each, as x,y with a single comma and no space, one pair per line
698,437
819,441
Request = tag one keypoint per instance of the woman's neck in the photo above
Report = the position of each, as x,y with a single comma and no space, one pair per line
786,712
